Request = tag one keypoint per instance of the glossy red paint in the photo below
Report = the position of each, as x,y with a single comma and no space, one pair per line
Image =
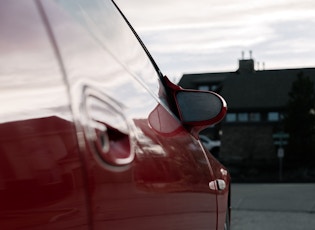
89,134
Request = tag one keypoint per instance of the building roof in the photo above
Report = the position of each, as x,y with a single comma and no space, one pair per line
251,91
192,81
260,90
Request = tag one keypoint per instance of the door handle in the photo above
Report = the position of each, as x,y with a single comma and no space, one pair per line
218,184
221,184
106,129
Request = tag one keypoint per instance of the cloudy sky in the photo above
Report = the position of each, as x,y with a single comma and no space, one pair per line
195,36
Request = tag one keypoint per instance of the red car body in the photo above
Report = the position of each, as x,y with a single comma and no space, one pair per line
92,135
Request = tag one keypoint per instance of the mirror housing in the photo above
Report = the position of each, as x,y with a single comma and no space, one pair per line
197,109
200,107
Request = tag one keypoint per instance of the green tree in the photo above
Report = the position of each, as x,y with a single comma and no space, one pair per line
300,121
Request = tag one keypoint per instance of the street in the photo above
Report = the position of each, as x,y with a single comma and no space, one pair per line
273,206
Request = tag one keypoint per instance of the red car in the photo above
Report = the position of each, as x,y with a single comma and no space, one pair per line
92,134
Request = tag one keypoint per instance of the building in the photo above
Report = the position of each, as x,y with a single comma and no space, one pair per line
257,100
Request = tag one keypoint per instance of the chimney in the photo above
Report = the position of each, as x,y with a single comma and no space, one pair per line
246,65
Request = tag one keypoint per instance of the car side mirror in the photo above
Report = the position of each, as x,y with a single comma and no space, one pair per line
200,107
197,109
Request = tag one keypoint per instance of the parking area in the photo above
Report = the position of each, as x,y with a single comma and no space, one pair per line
273,206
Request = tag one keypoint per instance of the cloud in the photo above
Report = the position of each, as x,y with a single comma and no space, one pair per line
205,35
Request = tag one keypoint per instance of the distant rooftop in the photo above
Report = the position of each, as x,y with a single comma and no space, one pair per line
247,88
262,89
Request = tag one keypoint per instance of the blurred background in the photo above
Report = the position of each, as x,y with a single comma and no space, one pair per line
260,56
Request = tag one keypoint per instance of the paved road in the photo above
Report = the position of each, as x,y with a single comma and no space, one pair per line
273,206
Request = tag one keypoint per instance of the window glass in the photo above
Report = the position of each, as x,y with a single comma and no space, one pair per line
273,116
214,87
230,117
255,117
243,117
203,87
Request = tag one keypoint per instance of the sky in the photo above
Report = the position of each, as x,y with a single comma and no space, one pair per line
198,36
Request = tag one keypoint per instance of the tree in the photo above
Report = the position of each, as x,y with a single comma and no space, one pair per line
300,121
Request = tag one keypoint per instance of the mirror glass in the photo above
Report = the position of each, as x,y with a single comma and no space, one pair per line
198,106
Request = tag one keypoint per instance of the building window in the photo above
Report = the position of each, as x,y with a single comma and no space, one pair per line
243,117
230,117
214,87
255,117
203,87
273,116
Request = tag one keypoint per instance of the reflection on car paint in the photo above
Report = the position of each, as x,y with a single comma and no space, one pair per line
51,129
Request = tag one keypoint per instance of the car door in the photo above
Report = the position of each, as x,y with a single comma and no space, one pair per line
143,169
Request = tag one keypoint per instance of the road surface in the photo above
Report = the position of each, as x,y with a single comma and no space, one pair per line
273,206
